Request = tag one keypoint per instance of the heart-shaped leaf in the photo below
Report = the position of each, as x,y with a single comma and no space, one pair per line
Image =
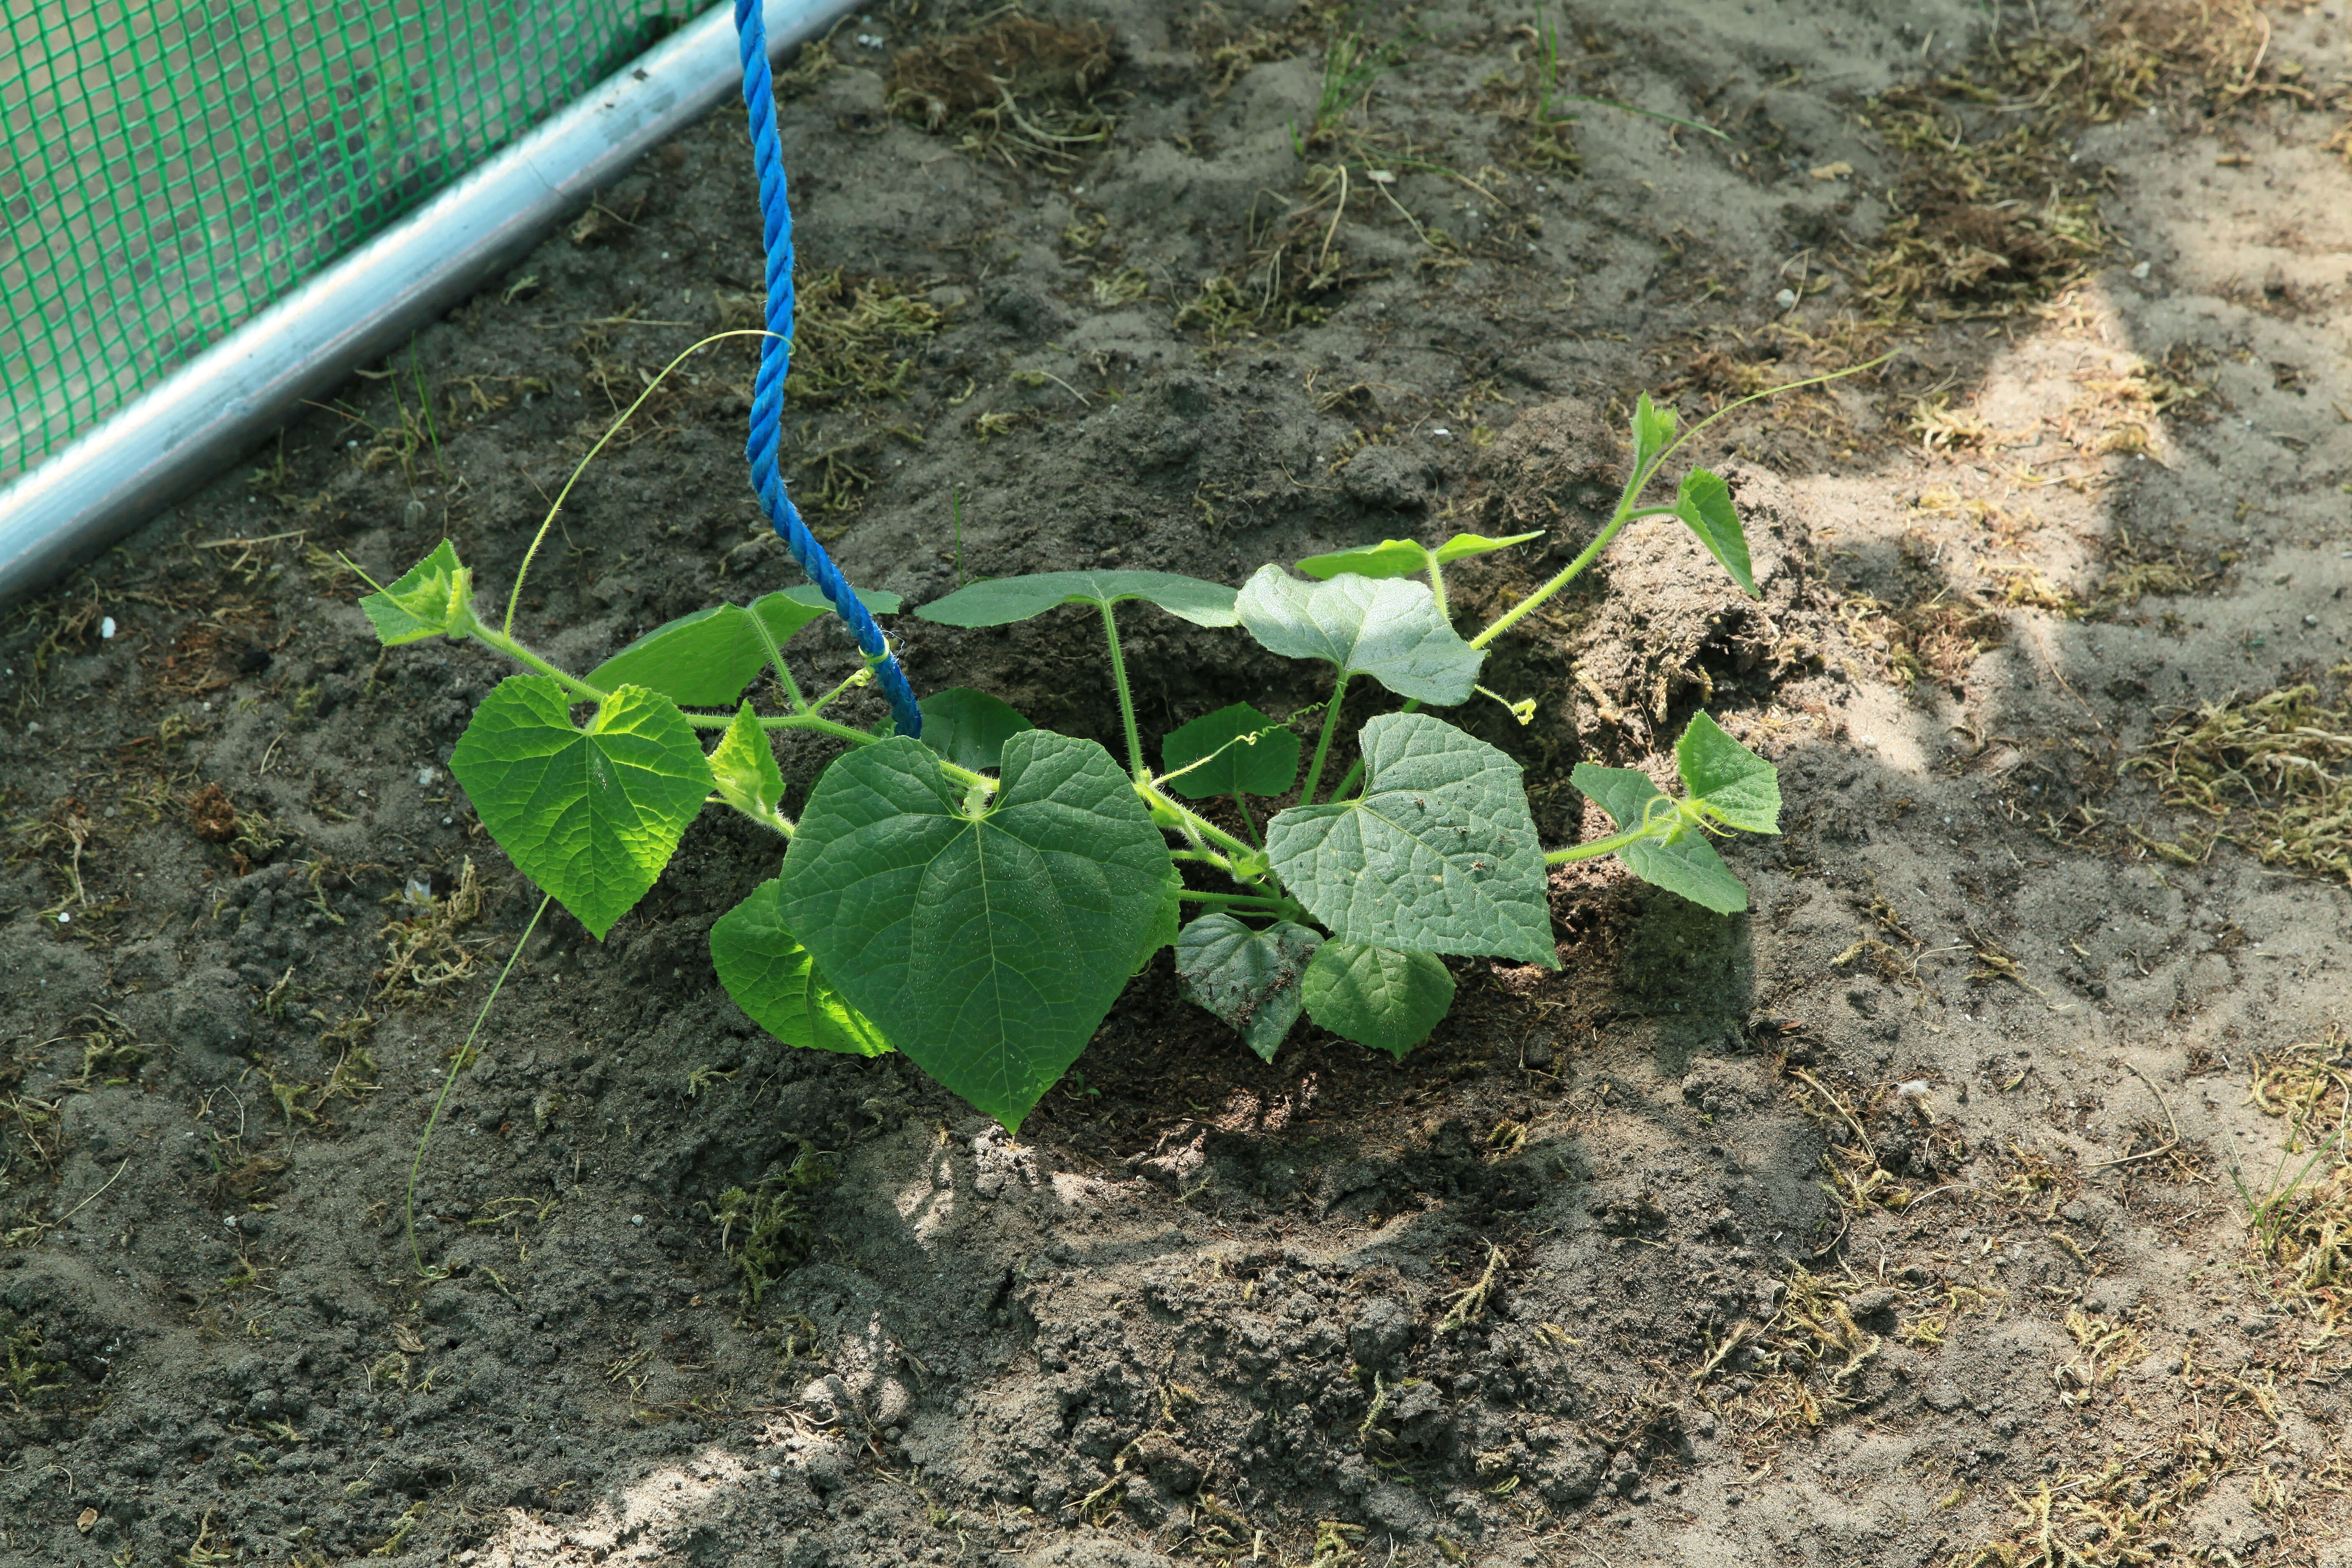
985,938
1248,978
1677,856
1730,782
424,601
1376,996
1001,601
743,768
593,815
1705,505
706,658
775,982
969,728
1249,755
1388,629
1438,854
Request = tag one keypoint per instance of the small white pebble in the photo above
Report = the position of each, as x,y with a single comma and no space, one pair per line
1786,299
2310,620
34,728
1441,434
64,920
426,775
636,1219
2141,271
229,1220
106,628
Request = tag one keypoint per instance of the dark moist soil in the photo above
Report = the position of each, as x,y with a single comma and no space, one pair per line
1895,1222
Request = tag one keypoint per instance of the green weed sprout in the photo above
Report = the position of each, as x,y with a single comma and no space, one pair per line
977,898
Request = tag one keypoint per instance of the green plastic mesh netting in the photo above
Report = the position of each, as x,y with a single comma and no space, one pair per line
172,166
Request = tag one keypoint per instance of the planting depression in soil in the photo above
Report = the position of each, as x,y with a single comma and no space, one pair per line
1457,786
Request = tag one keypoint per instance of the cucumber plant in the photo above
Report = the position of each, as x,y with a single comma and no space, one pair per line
977,895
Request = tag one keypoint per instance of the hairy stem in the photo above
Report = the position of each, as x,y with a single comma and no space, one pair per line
1437,590
1194,823
1323,741
530,660
1126,699
1241,804
1265,905
776,661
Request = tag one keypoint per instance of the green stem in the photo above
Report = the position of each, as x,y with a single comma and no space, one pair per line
776,659
524,657
1595,848
1241,804
1437,590
1204,856
457,1063
1248,904
1323,741
1126,699
1193,819
854,678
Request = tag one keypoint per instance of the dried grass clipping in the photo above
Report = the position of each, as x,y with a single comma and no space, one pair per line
2273,771
1021,90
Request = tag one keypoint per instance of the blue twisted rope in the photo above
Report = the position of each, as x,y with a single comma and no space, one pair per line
775,359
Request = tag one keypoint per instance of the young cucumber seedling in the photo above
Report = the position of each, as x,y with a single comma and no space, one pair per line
979,897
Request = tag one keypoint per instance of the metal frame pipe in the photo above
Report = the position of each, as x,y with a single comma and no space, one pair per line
212,410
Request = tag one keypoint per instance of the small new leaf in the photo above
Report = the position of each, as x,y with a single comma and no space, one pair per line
743,768
593,815
1704,506
1654,432
1004,600
1248,754
775,982
1248,978
1438,854
430,600
706,658
1675,854
1725,780
1377,996
1388,629
969,728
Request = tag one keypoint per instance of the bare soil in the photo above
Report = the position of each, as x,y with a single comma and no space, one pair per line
1977,1198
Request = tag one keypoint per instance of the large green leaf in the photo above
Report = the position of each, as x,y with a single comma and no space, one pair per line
1438,854
706,658
775,982
1249,755
1704,506
1404,557
986,937
1000,601
1248,978
969,728
1377,996
1388,629
1676,857
593,815
1730,782
423,602
743,768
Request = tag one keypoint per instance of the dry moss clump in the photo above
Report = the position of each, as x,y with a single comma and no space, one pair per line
2272,771
1991,217
1021,90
